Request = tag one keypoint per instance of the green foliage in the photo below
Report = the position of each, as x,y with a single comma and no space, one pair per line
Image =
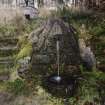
76,16
17,87
98,30
7,30
81,68
33,24
89,86
18,27
94,26
22,41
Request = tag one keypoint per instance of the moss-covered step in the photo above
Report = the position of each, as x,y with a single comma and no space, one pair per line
8,41
6,48
5,67
9,37
9,52
4,76
6,60
4,71
6,64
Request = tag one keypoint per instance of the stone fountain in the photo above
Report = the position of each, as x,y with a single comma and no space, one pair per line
55,42
44,44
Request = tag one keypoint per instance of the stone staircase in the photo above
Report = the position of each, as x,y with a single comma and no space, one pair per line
8,49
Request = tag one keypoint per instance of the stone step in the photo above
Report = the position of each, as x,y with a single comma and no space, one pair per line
4,68
8,45
8,42
4,42
6,48
5,53
8,63
6,60
8,38
4,77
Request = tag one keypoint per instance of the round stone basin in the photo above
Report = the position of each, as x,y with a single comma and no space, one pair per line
61,85
62,80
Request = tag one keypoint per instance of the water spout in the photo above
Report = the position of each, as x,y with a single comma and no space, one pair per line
58,57
56,78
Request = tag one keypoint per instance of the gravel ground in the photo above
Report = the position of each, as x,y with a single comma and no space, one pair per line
41,98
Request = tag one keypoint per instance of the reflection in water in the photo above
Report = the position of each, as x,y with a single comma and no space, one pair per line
56,79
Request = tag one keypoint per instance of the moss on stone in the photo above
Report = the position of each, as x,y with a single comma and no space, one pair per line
25,51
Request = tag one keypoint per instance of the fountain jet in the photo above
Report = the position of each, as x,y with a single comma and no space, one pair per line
57,78
58,63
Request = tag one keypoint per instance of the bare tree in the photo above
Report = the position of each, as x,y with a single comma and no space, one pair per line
60,1
29,1
40,3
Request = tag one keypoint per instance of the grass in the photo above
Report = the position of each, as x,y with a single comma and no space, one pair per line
88,90
18,27
17,87
7,30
